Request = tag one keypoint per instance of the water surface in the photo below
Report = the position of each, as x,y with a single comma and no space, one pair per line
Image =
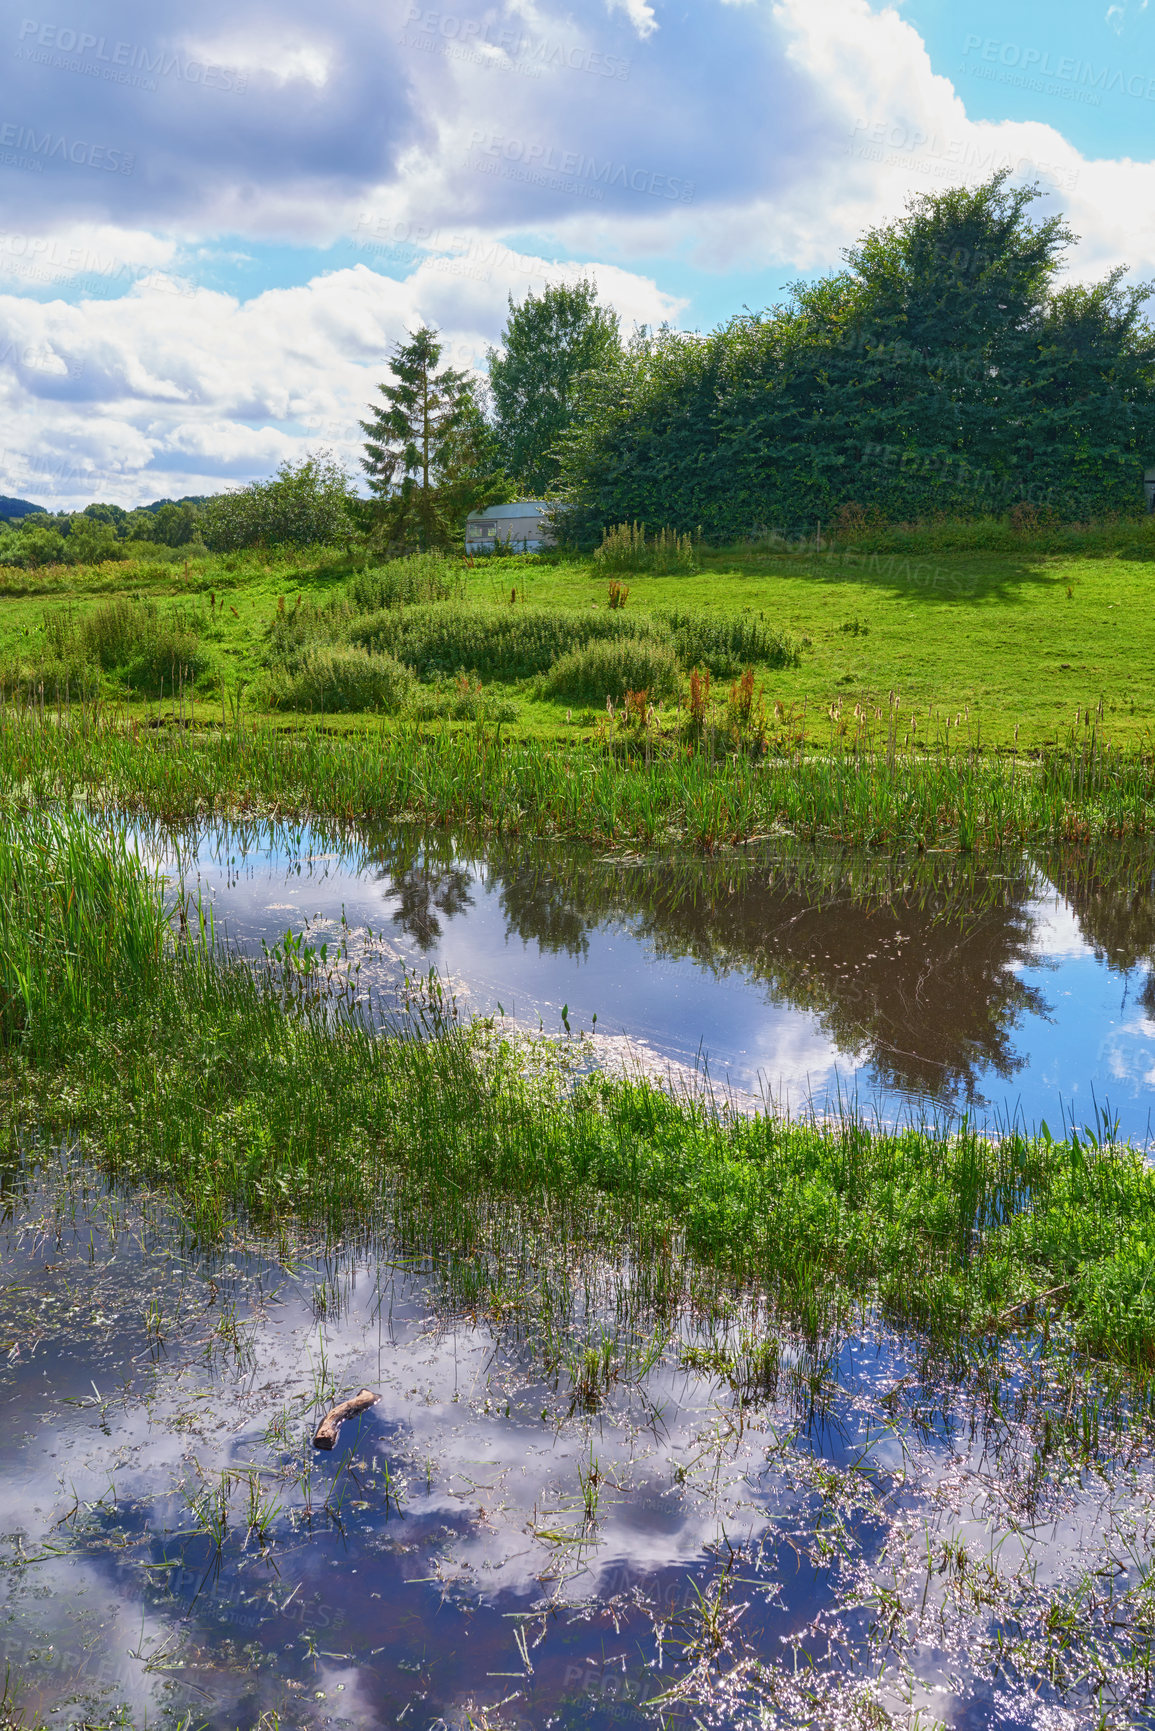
1020,989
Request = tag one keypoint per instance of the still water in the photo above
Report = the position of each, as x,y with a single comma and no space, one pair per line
1022,990
585,1497
733,1527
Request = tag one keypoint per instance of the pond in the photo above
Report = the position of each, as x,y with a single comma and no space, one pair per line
716,1520
590,1492
1023,990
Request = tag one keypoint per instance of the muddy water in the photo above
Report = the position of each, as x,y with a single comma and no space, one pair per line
722,1523
1024,989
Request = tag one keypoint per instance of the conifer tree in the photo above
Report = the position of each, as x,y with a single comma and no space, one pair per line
412,438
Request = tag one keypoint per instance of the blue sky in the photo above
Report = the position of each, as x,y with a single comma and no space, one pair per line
217,221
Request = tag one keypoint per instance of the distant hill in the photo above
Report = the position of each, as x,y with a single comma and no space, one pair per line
188,499
10,508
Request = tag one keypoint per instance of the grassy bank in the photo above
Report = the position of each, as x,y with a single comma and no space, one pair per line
999,638
234,1090
617,790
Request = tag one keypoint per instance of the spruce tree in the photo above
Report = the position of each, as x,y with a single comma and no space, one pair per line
411,441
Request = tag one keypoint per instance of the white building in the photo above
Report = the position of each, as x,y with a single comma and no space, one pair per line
518,527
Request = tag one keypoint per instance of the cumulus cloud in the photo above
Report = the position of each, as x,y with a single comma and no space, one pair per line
160,392
450,150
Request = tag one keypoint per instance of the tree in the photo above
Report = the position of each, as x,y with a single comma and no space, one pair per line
415,441
944,370
305,504
550,343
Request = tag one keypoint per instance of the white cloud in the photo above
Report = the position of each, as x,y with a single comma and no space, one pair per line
156,393
764,135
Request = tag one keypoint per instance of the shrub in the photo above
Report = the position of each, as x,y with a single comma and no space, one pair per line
726,646
609,669
461,699
422,577
306,504
340,678
146,650
625,548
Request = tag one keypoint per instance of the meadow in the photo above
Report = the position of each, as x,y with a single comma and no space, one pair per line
1001,639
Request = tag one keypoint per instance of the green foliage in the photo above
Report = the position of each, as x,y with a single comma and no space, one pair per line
610,669
429,455
82,926
625,547
941,373
551,341
423,577
728,644
306,504
148,650
332,678
497,643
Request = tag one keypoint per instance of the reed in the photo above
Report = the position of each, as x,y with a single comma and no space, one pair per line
868,791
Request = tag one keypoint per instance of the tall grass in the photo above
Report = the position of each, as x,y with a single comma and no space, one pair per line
484,780
496,643
627,548
334,678
83,927
608,669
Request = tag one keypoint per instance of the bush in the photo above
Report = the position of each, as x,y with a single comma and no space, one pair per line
625,548
340,679
146,651
728,646
497,643
609,669
307,504
461,699
422,577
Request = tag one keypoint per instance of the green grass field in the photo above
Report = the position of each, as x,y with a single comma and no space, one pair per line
1013,643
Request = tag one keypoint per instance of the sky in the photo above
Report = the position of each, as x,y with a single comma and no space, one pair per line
217,221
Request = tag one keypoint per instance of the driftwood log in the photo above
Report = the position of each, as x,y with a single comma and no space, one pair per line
326,1433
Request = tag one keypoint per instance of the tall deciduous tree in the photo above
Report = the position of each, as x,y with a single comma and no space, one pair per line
414,443
550,343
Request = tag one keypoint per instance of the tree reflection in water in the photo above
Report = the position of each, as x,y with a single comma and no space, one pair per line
912,966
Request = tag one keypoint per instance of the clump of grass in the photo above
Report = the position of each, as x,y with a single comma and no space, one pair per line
339,678
80,918
460,699
507,643
607,669
728,645
423,577
145,649
626,548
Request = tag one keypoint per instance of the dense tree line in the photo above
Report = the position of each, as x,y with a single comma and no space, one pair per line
944,370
